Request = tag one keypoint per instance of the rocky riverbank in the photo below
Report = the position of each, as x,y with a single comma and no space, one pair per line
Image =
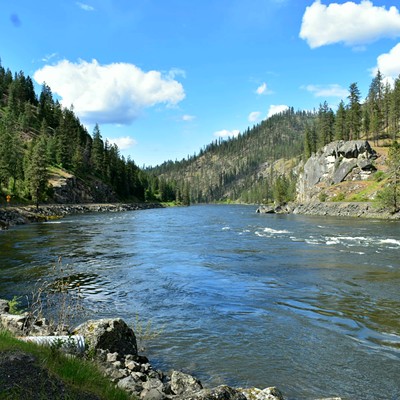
334,209
11,216
112,344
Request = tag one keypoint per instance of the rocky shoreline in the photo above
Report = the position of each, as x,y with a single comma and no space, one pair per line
112,344
11,216
332,209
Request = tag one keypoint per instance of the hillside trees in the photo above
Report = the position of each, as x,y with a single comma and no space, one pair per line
36,174
38,130
354,113
390,196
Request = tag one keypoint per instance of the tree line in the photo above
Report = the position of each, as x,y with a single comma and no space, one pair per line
36,133
243,168
377,118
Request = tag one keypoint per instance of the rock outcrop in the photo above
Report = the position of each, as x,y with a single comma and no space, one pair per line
69,189
331,208
336,162
113,335
11,216
113,345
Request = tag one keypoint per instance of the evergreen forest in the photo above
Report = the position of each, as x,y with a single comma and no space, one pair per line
259,165
38,137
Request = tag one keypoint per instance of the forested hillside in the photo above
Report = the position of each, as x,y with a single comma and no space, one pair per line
233,169
39,136
259,166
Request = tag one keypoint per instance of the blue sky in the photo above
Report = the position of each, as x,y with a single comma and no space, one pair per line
163,78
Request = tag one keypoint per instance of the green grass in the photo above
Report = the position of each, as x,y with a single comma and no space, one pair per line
77,373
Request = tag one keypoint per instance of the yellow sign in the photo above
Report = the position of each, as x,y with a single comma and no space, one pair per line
8,197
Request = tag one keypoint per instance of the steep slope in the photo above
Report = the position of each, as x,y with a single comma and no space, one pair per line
242,168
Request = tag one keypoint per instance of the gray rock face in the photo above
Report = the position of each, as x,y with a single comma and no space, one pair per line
4,307
271,393
332,165
182,383
113,335
218,393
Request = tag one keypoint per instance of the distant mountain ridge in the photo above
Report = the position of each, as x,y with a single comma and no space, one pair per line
243,168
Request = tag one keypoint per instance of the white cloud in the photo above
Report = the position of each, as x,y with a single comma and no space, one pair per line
227,134
276,109
123,143
262,89
253,116
389,63
84,6
188,117
333,90
113,93
350,23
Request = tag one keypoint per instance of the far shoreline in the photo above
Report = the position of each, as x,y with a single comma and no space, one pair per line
20,215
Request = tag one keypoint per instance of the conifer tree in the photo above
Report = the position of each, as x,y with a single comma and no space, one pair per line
36,170
354,112
340,126
97,156
374,104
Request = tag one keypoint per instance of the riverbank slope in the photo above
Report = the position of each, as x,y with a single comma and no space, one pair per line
11,216
333,209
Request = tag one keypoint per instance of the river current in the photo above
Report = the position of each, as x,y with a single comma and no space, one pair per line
308,304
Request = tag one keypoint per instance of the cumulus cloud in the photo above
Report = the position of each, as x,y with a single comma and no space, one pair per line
350,23
84,6
113,93
224,133
333,90
253,116
123,143
389,63
276,109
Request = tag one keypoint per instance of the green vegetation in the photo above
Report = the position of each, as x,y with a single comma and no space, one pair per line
39,138
390,195
248,168
79,378
37,134
243,168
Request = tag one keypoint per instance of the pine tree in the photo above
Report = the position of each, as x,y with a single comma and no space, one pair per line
340,127
36,171
325,124
97,156
354,112
374,105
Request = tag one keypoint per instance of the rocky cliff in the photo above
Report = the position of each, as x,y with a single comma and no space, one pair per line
337,162
69,189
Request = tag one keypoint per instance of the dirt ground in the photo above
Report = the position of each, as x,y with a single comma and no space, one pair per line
22,378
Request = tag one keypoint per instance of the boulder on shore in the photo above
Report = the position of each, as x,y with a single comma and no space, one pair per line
113,335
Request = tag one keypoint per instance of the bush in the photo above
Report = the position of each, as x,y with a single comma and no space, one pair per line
322,197
379,176
339,197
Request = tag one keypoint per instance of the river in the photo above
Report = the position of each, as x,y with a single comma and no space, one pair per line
308,304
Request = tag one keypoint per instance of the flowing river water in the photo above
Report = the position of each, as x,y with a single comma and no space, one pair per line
308,304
